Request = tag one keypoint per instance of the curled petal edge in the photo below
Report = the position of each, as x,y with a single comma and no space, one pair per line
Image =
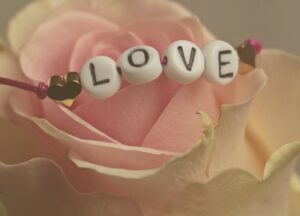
37,177
295,196
26,21
203,147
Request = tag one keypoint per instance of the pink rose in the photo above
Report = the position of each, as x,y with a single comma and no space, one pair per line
144,151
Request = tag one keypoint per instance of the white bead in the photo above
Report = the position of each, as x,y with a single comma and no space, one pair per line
140,64
100,78
222,62
184,61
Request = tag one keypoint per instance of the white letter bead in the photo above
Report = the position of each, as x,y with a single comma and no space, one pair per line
222,62
100,77
140,64
184,61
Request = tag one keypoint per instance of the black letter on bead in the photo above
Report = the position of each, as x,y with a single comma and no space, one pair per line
221,64
192,57
146,54
95,81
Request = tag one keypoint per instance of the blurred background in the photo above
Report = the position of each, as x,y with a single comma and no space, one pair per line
275,22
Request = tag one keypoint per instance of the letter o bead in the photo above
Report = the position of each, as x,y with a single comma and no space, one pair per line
222,62
184,61
100,77
140,64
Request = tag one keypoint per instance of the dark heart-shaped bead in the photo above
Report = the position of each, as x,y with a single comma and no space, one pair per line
247,54
65,87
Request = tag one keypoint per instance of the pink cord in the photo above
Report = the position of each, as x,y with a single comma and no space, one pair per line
40,90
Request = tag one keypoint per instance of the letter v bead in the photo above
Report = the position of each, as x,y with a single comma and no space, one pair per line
178,68
192,57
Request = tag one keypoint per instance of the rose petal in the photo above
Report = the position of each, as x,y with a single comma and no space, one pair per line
39,187
235,152
83,49
196,27
141,105
67,121
169,27
236,192
274,118
113,155
160,41
68,27
154,189
118,43
202,34
26,21
24,24
17,144
178,127
31,105
186,187
126,11
294,207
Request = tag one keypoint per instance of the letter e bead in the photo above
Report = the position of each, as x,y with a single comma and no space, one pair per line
184,61
222,62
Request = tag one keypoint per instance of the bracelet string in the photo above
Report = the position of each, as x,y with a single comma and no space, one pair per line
246,51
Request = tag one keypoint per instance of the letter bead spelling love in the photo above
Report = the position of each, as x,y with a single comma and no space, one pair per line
182,61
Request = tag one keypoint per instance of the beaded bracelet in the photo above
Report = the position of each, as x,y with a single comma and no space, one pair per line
183,62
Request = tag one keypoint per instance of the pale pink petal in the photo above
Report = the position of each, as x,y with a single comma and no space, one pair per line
107,50
127,10
117,43
44,55
28,103
178,126
39,187
160,41
64,119
274,118
114,155
22,26
171,28
202,34
83,49
235,152
17,144
236,192
294,207
130,114
194,24
26,22
183,185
